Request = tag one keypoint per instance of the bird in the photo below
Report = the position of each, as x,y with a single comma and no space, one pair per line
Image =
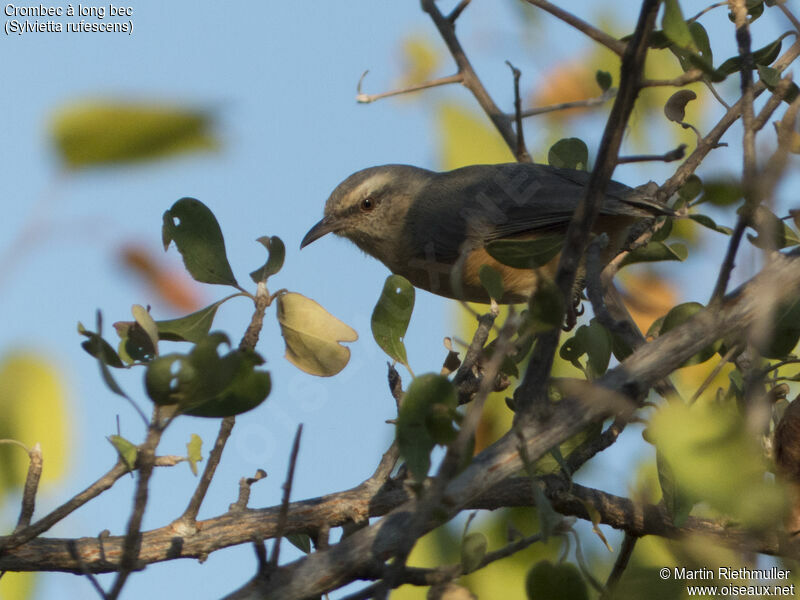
433,228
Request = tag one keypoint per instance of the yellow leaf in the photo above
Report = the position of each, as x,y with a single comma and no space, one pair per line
91,134
468,139
34,408
312,335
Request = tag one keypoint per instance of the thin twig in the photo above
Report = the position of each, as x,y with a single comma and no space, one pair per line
245,483
624,556
189,516
521,151
589,102
456,12
145,460
369,98
470,79
31,487
287,491
599,36
72,548
676,154
707,9
714,372
690,76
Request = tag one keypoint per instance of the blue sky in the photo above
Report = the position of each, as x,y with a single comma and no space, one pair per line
281,76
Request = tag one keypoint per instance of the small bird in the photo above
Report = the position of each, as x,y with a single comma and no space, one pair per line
421,224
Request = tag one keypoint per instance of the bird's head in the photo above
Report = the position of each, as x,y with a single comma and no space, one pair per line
369,208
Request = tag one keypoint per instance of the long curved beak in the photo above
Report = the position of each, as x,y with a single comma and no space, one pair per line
326,225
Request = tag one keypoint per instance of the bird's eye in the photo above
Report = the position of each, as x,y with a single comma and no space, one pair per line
367,204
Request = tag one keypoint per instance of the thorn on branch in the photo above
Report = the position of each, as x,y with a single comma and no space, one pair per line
521,153
458,10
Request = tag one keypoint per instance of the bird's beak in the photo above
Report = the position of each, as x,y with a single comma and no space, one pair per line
326,225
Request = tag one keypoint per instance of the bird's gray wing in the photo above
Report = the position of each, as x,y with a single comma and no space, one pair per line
485,202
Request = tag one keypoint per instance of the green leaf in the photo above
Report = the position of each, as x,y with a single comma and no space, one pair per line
546,581
192,327
675,27
721,192
127,450
569,153
148,325
426,396
715,459
96,346
135,345
391,316
654,252
772,77
277,254
595,341
678,316
93,134
785,331
691,188
708,222
492,281
763,56
526,254
473,550
773,233
604,80
301,541
313,336
545,307
196,233
206,382
675,108
194,452
677,503
99,348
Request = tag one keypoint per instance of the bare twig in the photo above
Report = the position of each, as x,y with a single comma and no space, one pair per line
245,483
456,12
287,491
589,102
690,76
676,154
707,9
189,516
145,461
714,372
470,80
521,152
624,556
369,98
72,548
599,36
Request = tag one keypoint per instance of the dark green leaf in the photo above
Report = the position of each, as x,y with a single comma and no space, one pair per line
99,348
193,327
675,27
772,77
677,504
414,436
604,80
721,192
127,450
700,37
663,232
492,281
691,188
196,233
391,316
301,541
598,347
675,108
546,581
277,254
679,315
194,452
526,254
569,153
546,307
654,252
249,388
473,550
707,221
785,331
147,324
763,56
